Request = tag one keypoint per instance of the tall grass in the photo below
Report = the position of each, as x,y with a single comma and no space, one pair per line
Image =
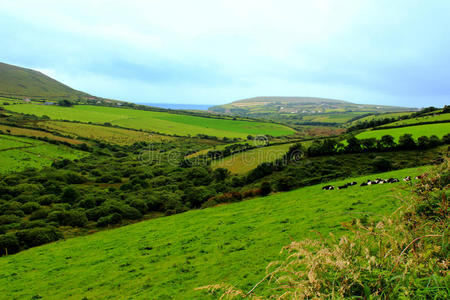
404,256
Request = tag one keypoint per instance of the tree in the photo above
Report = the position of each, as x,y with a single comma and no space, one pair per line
220,174
65,103
423,142
266,188
387,141
286,183
353,145
369,144
70,195
406,142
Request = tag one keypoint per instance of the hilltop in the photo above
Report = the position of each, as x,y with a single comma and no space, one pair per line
21,82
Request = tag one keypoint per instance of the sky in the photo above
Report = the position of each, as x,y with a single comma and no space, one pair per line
214,52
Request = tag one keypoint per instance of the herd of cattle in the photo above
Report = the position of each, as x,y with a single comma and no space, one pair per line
369,182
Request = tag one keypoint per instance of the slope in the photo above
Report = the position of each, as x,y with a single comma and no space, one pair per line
162,122
169,257
21,82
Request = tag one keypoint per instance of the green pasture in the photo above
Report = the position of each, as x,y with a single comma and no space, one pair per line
439,130
162,122
426,118
102,133
168,257
332,117
17,153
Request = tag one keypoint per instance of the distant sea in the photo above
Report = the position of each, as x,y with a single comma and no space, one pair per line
178,106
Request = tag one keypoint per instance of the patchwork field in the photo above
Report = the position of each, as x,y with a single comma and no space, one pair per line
17,153
155,121
427,118
108,134
439,129
38,133
169,257
380,116
332,117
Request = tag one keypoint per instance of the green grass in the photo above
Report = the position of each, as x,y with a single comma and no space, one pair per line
332,117
244,162
102,133
169,257
29,153
162,122
427,118
417,131
37,133
380,116
29,83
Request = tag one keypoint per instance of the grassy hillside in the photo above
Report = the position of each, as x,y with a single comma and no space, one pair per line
155,121
244,162
38,133
22,82
417,131
102,133
427,118
19,153
169,257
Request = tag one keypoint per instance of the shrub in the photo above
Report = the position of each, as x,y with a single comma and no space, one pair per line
74,218
38,236
70,195
381,165
266,188
47,199
286,183
41,213
9,219
30,207
109,220
9,244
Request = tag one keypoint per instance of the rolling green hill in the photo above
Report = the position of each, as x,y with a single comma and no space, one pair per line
20,82
154,121
19,153
439,129
169,257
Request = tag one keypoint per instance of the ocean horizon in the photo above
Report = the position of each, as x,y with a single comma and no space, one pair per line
178,106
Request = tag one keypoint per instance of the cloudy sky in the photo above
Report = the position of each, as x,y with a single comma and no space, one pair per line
213,52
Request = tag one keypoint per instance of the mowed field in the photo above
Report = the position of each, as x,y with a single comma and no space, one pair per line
155,121
167,258
332,117
427,118
102,133
439,130
246,161
18,153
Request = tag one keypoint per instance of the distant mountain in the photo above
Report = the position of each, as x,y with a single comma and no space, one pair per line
17,82
299,105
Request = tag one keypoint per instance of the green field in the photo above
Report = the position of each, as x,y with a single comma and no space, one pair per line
102,133
380,117
427,118
332,117
17,153
37,133
169,257
155,121
246,161
417,131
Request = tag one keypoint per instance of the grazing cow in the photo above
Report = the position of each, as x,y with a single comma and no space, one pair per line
342,187
392,180
407,178
364,184
352,183
328,187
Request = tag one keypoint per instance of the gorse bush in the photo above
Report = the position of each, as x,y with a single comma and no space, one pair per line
404,256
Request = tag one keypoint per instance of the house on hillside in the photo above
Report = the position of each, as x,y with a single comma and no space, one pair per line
26,100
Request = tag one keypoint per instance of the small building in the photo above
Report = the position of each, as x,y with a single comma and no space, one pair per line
26,100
